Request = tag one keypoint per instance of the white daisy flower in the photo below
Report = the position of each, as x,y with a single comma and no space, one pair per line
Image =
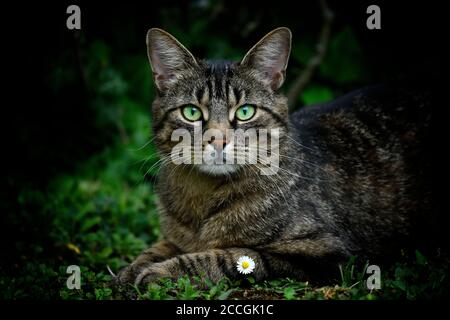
245,265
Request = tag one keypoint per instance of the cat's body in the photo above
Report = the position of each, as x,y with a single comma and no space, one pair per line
353,175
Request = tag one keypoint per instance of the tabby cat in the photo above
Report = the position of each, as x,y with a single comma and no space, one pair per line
352,177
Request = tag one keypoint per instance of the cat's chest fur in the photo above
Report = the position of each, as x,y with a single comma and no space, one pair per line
198,214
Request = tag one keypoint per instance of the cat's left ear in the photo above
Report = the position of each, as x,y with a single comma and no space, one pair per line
168,58
269,57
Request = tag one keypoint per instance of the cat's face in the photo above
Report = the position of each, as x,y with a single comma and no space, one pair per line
208,100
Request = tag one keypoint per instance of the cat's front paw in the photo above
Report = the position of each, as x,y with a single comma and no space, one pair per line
130,273
141,275
151,274
127,275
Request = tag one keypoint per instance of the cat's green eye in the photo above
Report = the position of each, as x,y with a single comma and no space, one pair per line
191,112
245,112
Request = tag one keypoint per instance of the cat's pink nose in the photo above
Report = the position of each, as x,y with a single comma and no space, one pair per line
219,144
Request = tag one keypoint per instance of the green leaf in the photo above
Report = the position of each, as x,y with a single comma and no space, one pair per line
316,94
105,253
303,52
275,283
224,295
371,296
102,293
344,60
89,223
289,293
420,258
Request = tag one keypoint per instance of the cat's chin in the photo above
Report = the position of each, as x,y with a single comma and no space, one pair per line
217,169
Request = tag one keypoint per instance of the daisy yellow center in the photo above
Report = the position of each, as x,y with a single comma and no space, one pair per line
245,264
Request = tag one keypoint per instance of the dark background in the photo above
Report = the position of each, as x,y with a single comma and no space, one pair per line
62,87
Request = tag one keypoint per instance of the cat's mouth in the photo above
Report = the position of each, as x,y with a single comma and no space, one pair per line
217,169
215,161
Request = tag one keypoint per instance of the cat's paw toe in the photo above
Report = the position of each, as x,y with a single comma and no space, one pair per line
124,276
151,274
127,275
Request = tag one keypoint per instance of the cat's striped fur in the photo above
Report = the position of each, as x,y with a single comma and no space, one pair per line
353,175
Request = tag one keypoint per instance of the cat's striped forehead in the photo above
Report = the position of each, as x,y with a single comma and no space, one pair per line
217,84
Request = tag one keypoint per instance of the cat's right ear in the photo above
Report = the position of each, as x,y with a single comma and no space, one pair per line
269,57
168,58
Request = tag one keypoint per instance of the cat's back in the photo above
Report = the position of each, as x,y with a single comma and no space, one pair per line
376,144
396,118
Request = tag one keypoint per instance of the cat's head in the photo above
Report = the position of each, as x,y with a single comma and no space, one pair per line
217,96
